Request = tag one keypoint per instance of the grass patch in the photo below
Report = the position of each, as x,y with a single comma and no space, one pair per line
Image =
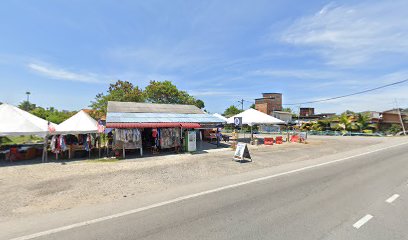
16,140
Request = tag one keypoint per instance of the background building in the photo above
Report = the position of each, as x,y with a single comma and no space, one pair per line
305,112
284,116
269,102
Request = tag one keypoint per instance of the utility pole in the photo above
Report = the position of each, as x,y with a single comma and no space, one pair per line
242,104
400,117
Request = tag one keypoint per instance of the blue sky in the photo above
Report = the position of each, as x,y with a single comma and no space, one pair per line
65,52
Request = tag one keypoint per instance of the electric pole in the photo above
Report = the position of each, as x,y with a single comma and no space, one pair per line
242,104
400,117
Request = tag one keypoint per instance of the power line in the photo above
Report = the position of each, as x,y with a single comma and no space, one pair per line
351,94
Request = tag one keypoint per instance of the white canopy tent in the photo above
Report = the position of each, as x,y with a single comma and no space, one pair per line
220,117
254,117
17,122
80,123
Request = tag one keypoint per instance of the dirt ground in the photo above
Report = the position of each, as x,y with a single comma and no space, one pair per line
42,188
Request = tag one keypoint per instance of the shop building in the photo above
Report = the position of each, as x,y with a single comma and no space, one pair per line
157,127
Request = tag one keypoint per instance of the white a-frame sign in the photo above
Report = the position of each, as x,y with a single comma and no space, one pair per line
242,152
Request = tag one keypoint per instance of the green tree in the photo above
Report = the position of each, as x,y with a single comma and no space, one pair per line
394,128
167,92
52,115
363,121
345,122
252,106
289,110
121,91
200,104
231,111
27,106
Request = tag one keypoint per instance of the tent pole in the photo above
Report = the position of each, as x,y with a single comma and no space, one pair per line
99,145
44,148
252,134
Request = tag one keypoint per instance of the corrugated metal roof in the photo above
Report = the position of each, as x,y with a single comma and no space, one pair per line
134,107
115,117
152,125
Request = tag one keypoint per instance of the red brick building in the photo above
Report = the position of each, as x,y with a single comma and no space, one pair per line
305,112
269,102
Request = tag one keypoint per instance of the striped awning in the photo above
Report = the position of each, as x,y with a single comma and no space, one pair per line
153,125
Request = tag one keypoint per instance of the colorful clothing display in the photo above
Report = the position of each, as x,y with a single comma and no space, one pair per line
127,138
169,137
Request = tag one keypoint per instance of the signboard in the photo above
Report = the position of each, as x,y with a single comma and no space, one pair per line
238,121
303,136
242,152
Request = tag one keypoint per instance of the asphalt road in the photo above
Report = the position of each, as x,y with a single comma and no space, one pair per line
343,200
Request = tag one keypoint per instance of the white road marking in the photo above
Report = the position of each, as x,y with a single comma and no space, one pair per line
392,198
362,221
179,199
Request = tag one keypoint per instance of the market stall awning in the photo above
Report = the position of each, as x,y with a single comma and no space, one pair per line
153,125
254,117
16,122
80,123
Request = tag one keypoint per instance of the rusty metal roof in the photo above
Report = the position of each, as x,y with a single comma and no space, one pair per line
134,107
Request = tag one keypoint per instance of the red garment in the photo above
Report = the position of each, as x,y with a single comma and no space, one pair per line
154,132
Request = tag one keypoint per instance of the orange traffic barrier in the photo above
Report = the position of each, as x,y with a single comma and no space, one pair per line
268,141
279,140
294,138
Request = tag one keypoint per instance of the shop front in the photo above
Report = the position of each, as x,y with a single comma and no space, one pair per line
155,128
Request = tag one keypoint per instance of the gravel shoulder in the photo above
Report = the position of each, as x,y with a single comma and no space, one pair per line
28,190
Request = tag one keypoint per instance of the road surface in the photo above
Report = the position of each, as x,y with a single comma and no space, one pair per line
363,197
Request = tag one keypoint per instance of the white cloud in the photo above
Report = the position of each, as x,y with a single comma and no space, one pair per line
354,34
296,73
62,74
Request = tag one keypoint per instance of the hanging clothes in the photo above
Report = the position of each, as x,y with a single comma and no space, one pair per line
62,144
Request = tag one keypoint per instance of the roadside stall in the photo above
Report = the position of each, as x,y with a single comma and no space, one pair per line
162,127
78,133
252,117
17,122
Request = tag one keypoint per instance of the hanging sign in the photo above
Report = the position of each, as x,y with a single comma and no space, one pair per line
238,121
242,152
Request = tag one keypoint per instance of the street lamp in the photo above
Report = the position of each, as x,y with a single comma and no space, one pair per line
28,96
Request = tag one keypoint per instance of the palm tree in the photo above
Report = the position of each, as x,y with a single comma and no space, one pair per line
363,121
346,121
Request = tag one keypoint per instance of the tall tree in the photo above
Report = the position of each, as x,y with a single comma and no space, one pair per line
167,92
27,106
231,111
121,91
